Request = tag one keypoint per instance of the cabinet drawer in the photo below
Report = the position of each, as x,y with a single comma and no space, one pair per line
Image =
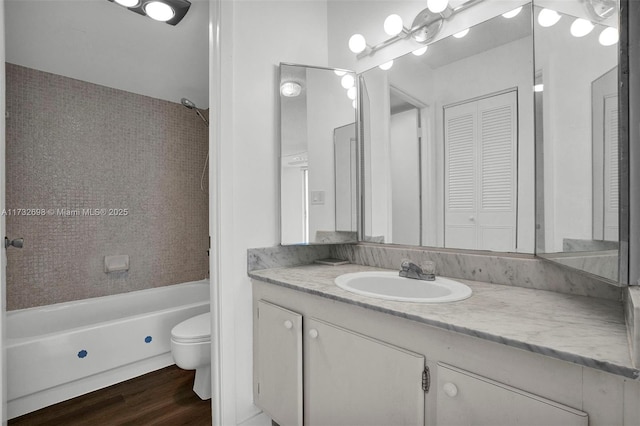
465,398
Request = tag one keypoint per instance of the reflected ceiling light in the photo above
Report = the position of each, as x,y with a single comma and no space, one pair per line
354,104
290,89
437,6
348,81
421,51
393,25
339,73
548,17
609,36
386,66
581,27
461,33
512,13
357,43
169,11
351,93
127,3
159,11
538,88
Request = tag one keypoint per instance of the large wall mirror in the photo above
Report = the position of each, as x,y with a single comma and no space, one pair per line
318,179
576,57
448,142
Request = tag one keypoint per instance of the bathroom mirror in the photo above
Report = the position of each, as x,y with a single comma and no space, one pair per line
577,139
448,146
317,155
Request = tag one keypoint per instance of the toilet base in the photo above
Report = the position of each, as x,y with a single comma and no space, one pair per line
202,383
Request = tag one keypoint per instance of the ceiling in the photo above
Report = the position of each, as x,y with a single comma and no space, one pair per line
103,43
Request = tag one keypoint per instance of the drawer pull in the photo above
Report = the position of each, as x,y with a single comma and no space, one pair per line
288,324
450,389
313,333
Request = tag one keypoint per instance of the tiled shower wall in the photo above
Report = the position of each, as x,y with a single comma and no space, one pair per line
73,145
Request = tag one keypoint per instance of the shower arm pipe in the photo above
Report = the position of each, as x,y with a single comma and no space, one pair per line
407,33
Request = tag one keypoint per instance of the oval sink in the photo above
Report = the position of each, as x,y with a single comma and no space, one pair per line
390,286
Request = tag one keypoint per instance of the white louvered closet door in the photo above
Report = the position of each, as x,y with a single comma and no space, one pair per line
480,173
611,181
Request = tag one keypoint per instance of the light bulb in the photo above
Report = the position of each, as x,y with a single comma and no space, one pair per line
357,43
351,93
461,33
581,27
421,51
609,36
159,11
538,88
290,89
348,81
393,25
548,17
127,3
386,66
354,104
339,73
437,6
513,13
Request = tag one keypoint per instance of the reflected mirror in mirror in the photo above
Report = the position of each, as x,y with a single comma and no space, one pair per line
448,142
577,141
318,155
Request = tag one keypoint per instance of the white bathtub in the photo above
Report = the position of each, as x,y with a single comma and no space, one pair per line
61,351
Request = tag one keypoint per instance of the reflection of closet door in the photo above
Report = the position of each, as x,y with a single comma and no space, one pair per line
480,173
611,168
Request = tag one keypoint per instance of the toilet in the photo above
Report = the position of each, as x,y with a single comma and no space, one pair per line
191,350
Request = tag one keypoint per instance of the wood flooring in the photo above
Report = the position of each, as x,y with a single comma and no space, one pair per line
161,398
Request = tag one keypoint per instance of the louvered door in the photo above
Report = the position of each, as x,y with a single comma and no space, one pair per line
611,181
480,173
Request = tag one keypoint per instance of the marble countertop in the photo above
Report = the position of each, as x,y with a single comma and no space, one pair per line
583,330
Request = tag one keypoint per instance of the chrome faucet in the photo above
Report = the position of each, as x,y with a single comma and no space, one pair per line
409,269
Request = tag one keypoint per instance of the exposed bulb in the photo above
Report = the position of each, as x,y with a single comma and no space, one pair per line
351,93
357,43
581,27
548,17
421,51
348,81
386,66
127,3
461,33
339,73
538,88
437,6
393,25
512,13
609,36
159,11
354,104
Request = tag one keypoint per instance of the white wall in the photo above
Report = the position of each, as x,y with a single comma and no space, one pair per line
256,35
3,256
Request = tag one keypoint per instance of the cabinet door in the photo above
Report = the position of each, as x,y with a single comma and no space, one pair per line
279,363
465,398
351,379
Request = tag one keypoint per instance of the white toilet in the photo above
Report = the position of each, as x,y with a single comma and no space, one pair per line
191,350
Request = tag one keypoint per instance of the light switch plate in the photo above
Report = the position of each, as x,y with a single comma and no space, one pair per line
317,197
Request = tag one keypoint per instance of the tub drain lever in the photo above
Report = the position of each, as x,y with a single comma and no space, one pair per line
17,243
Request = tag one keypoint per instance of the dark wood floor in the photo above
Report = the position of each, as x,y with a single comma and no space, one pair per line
161,398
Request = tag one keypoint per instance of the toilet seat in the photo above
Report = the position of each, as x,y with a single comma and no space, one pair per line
193,330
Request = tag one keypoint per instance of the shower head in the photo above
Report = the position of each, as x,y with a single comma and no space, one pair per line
186,102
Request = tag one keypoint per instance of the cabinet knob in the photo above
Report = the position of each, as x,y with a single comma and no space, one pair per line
450,389
288,324
313,333
472,218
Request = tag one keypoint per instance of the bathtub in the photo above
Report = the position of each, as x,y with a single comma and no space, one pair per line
61,351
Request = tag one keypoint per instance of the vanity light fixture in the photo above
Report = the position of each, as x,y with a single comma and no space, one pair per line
609,36
348,81
548,17
437,6
513,13
581,27
290,89
351,93
357,43
169,11
386,66
339,73
393,25
421,51
461,33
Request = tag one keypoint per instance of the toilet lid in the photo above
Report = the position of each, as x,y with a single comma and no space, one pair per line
193,330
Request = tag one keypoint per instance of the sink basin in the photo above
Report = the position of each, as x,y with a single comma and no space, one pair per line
390,286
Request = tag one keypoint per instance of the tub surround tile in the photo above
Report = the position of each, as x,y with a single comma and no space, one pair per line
583,330
632,314
513,269
283,256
